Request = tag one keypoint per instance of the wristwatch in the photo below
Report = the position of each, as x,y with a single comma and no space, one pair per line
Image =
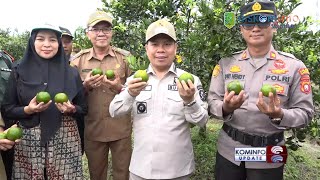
190,104
276,121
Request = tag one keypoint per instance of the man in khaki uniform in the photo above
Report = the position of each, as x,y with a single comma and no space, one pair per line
101,131
251,120
5,144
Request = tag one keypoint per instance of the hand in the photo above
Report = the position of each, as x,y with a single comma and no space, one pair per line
66,107
114,84
35,107
6,144
92,82
232,102
135,86
186,91
273,109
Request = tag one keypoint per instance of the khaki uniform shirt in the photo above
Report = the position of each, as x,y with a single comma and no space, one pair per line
291,79
2,169
99,126
162,138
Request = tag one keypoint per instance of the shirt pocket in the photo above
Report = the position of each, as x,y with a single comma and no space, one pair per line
173,104
282,90
143,104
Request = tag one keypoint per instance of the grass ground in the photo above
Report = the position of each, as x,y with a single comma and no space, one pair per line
303,164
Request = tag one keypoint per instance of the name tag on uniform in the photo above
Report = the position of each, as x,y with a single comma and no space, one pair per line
147,88
172,87
86,70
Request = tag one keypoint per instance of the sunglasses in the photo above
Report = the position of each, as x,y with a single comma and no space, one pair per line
250,26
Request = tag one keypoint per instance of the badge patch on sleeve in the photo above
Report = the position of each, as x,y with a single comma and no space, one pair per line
202,93
304,71
216,71
141,107
305,87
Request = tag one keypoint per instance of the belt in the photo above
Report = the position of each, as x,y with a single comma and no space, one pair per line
252,140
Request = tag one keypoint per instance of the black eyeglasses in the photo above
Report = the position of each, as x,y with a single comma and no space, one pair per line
104,30
250,26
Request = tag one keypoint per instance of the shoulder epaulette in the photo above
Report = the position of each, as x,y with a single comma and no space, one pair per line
287,54
238,52
84,51
121,51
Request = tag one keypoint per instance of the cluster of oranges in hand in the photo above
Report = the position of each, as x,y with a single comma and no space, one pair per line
12,134
109,73
237,87
45,97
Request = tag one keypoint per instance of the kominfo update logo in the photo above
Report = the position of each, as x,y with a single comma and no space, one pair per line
270,154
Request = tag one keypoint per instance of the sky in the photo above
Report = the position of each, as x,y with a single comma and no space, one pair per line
25,14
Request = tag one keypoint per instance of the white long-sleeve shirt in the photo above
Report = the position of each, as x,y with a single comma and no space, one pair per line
162,138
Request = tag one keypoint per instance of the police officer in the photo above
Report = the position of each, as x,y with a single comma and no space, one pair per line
66,38
250,119
162,111
103,133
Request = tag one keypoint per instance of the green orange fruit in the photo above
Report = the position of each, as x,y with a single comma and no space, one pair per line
234,86
185,77
61,98
3,135
96,71
267,88
110,74
14,133
141,74
43,96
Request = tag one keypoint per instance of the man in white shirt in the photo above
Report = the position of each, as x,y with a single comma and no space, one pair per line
162,110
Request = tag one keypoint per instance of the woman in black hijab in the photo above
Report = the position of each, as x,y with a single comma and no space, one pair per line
50,146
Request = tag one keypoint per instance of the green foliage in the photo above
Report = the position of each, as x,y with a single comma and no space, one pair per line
80,39
137,63
14,44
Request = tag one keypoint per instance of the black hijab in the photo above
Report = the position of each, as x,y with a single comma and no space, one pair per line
53,75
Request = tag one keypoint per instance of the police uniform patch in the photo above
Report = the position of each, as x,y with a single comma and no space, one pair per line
141,107
304,71
202,93
216,71
278,71
272,55
279,64
244,55
305,87
235,69
280,89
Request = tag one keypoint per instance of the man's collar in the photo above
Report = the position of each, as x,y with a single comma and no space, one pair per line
172,68
93,54
272,54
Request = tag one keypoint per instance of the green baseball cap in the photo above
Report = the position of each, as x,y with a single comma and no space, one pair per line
161,26
97,17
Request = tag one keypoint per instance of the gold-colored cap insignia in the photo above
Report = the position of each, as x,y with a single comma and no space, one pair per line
256,6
